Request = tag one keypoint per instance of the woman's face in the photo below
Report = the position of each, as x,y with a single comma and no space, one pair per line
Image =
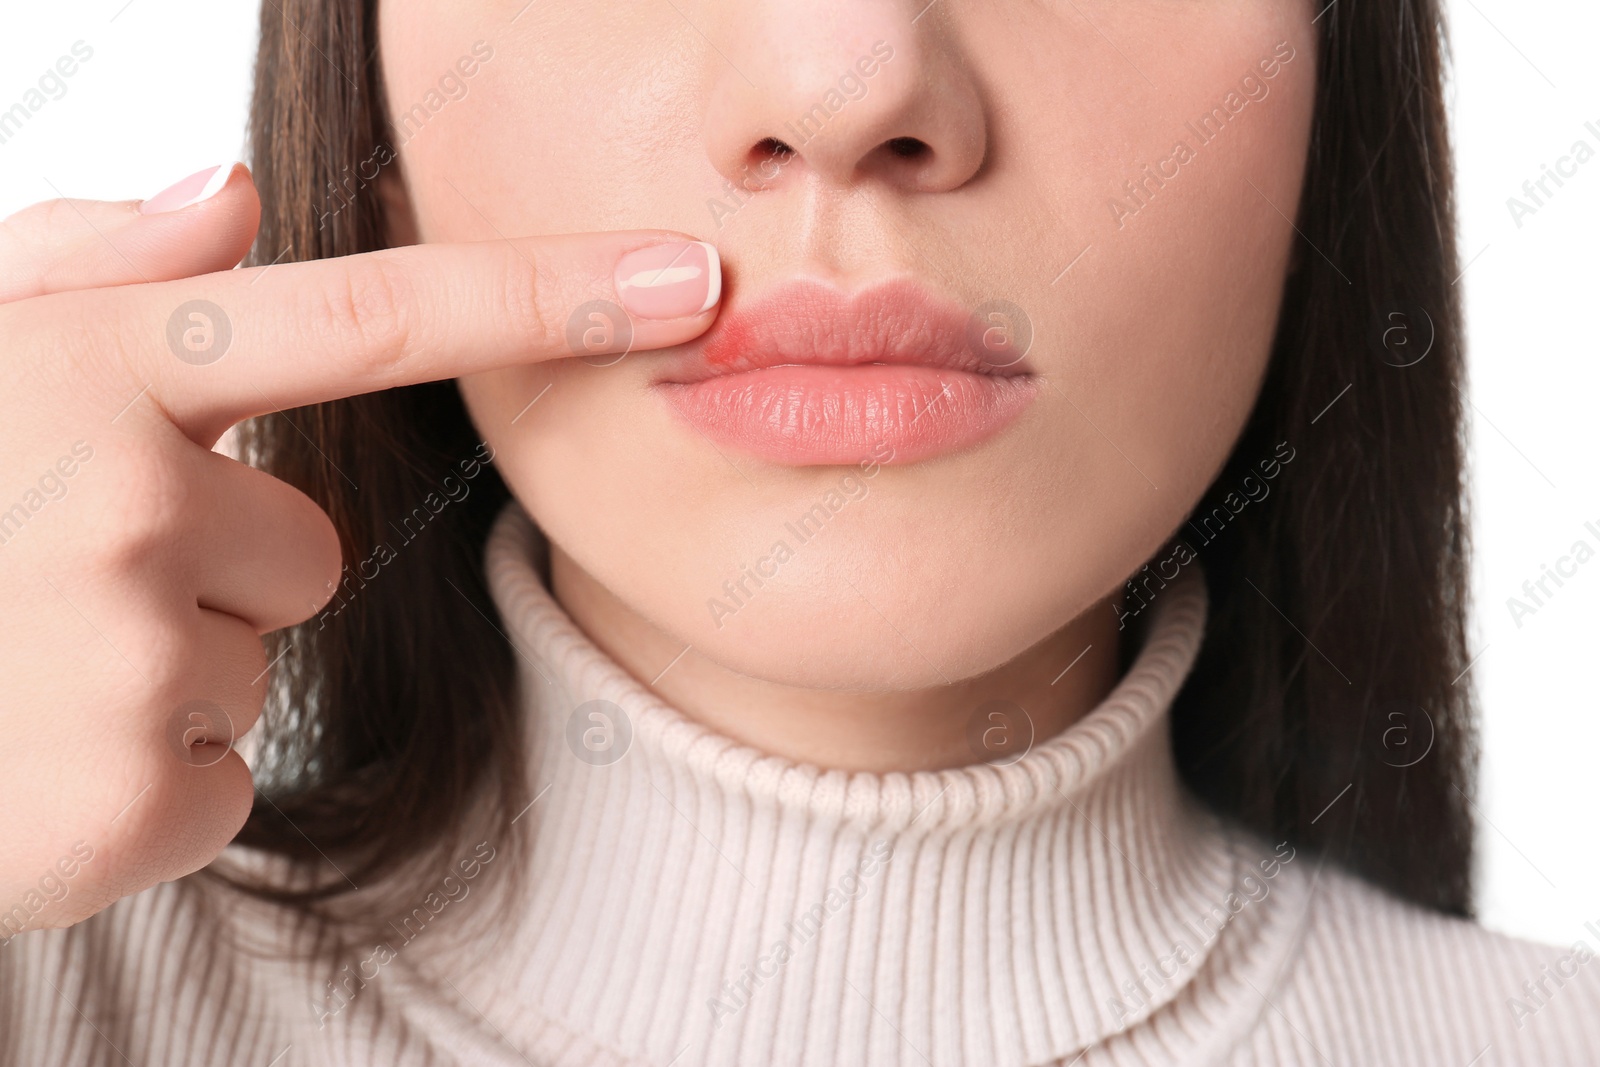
1105,182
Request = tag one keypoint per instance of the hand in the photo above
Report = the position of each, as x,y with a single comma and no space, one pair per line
138,567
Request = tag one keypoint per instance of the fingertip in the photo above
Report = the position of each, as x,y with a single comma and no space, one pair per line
194,189
714,276
203,223
672,280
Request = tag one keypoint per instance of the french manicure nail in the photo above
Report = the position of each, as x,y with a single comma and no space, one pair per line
201,185
670,281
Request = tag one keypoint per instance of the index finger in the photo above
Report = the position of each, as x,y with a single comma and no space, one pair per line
265,339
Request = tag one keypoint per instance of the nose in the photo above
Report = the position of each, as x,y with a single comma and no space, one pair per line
848,90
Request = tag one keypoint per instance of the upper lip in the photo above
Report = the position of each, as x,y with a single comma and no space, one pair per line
806,322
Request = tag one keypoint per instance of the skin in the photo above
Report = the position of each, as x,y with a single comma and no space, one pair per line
964,579
143,566
144,585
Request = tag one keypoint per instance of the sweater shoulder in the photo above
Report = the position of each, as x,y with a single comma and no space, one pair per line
1382,980
172,967
192,973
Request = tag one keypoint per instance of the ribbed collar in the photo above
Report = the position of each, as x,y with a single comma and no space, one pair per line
695,901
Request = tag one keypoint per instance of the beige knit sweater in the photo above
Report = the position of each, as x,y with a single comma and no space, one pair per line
692,901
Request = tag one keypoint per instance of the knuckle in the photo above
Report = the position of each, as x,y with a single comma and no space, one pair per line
368,302
149,505
522,291
207,675
184,820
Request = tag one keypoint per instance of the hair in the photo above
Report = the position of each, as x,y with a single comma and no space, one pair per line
1335,605
1337,647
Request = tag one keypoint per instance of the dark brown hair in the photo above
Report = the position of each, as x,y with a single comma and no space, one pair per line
1337,647
1337,604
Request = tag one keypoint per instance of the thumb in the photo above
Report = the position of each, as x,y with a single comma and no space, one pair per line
201,224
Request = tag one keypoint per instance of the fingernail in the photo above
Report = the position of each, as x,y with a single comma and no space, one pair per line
670,281
201,185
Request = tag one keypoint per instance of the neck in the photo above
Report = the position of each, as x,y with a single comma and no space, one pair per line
694,898
993,716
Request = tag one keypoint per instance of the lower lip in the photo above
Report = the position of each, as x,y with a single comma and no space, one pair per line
817,415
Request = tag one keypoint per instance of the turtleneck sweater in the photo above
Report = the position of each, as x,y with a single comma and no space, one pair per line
688,900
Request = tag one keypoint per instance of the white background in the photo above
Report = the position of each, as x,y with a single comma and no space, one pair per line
166,93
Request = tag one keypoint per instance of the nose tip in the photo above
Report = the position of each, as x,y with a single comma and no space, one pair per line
900,111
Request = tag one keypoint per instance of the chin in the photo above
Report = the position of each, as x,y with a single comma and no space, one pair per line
890,597
881,633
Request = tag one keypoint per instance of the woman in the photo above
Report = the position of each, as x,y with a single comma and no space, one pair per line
713,629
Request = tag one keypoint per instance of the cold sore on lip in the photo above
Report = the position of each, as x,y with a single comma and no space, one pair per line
808,375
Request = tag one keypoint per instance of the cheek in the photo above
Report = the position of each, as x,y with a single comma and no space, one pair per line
1173,203
555,129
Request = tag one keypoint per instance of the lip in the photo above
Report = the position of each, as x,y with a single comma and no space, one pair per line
809,375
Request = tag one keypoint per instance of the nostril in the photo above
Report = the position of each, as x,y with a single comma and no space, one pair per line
770,148
906,147
766,158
